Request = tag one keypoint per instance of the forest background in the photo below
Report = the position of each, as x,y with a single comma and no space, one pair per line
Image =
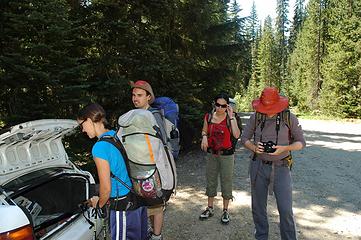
58,55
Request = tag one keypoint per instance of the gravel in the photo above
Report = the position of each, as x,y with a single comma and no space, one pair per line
326,192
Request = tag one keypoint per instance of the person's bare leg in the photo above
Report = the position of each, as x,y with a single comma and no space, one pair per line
225,203
158,223
210,201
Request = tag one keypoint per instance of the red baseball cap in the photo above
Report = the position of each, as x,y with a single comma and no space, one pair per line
145,86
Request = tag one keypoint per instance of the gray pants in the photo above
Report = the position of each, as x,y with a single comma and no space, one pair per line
260,177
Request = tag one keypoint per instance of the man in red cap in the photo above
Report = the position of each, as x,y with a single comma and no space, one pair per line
142,97
271,139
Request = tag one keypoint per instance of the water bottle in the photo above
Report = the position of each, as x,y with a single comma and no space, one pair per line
174,133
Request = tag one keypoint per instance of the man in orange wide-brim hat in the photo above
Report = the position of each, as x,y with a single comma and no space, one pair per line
271,133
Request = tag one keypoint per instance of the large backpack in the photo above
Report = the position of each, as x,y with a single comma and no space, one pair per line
239,123
151,167
166,112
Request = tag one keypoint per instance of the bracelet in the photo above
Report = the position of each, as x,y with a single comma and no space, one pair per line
231,118
204,134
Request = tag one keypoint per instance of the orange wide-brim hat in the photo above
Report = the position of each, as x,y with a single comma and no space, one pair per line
145,86
270,102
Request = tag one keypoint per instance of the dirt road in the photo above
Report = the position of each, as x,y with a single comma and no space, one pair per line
327,191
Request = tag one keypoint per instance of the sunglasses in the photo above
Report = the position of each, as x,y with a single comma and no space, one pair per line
81,124
220,105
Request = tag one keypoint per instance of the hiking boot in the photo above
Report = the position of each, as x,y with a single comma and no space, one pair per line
209,212
225,217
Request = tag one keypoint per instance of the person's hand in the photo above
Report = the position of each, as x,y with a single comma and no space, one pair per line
230,111
259,148
204,144
93,201
279,149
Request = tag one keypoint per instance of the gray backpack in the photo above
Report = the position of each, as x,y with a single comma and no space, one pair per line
150,164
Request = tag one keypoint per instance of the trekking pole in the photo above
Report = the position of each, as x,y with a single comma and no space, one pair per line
95,223
105,232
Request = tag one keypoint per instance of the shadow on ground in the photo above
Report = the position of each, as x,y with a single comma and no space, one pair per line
327,194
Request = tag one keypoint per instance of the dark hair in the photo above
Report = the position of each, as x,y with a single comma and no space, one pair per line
93,111
223,96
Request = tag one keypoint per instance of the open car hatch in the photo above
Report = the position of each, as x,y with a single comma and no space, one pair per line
33,145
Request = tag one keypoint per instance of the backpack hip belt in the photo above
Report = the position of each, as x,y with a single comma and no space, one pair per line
126,203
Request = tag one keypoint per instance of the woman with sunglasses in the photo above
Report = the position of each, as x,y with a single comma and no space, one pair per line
218,126
124,224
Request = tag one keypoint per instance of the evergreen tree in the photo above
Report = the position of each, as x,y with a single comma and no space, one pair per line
341,68
266,57
253,33
243,58
37,65
298,18
281,41
305,60
253,23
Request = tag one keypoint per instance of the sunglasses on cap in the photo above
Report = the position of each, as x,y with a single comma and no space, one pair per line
220,105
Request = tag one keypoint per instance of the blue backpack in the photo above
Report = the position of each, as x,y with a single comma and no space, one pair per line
169,112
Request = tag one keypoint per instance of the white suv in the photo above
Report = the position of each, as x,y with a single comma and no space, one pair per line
40,188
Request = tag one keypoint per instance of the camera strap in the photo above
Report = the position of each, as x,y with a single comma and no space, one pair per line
278,123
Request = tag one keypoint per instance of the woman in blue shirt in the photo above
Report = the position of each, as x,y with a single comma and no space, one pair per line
130,224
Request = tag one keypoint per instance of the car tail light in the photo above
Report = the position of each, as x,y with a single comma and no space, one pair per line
23,233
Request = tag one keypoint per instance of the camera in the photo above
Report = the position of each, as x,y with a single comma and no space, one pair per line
267,146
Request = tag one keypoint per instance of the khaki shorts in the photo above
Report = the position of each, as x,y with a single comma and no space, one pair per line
154,210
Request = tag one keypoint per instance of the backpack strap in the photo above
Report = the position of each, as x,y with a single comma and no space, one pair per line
210,116
228,121
239,121
160,119
261,120
116,143
286,117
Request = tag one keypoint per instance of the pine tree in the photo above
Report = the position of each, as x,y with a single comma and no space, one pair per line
341,68
253,34
281,40
266,57
298,18
305,60
37,65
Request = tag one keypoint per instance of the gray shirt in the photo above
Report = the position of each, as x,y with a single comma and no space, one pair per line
286,136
